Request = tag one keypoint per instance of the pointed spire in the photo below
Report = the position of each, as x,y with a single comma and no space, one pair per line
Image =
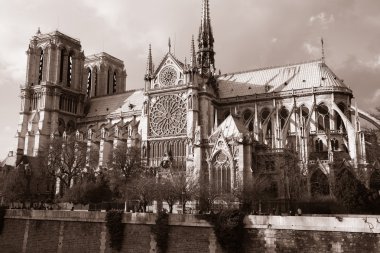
206,52
149,65
38,31
193,57
170,45
323,50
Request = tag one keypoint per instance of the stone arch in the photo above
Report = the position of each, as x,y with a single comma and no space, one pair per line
248,119
319,184
323,117
339,120
266,122
222,172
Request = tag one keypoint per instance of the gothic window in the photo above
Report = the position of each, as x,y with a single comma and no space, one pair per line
62,65
248,119
168,116
318,145
222,173
334,144
323,118
114,82
319,184
304,113
168,76
284,113
264,115
61,126
108,81
41,66
95,81
69,69
89,82
190,102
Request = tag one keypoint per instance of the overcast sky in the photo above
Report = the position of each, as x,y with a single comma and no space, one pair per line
248,34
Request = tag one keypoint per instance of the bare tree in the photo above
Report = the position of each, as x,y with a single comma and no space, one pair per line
123,167
66,160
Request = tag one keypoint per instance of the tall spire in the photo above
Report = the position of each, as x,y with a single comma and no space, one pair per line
206,52
193,57
149,65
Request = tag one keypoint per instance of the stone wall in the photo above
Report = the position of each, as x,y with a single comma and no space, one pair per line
80,231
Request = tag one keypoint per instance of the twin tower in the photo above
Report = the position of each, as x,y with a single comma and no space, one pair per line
60,81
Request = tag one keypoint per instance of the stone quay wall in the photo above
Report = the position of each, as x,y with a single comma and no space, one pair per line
81,231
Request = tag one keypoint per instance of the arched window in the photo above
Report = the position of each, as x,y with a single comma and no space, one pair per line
89,82
114,82
62,65
318,145
41,66
248,119
69,69
264,114
95,81
304,114
222,173
323,118
61,126
108,81
284,114
334,144
319,184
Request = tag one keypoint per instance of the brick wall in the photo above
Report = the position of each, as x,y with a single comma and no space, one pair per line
72,232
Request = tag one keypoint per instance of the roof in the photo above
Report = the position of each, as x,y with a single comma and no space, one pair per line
277,79
230,127
10,160
125,102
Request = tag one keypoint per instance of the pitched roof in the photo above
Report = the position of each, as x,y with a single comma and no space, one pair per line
125,102
230,127
277,79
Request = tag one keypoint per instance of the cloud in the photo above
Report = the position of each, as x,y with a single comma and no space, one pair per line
372,63
322,19
311,49
274,40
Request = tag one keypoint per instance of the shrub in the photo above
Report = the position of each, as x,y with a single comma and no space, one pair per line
161,231
115,228
229,229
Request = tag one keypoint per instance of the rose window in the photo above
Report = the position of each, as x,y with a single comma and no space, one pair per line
168,76
168,116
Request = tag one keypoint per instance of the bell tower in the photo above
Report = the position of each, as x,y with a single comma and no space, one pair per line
52,96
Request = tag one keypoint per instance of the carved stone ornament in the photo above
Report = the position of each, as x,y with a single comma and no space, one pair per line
168,116
168,76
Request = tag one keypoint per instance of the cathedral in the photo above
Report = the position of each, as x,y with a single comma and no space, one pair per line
226,128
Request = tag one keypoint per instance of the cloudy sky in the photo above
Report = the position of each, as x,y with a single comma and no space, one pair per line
248,34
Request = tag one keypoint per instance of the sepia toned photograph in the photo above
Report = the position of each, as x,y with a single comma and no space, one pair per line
190,126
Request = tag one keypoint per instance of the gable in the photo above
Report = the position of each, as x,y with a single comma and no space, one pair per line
170,73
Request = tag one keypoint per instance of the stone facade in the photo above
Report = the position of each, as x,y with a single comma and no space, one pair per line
224,128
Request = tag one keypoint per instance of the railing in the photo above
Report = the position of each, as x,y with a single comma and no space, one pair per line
272,95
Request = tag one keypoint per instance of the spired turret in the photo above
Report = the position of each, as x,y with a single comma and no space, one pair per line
205,54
